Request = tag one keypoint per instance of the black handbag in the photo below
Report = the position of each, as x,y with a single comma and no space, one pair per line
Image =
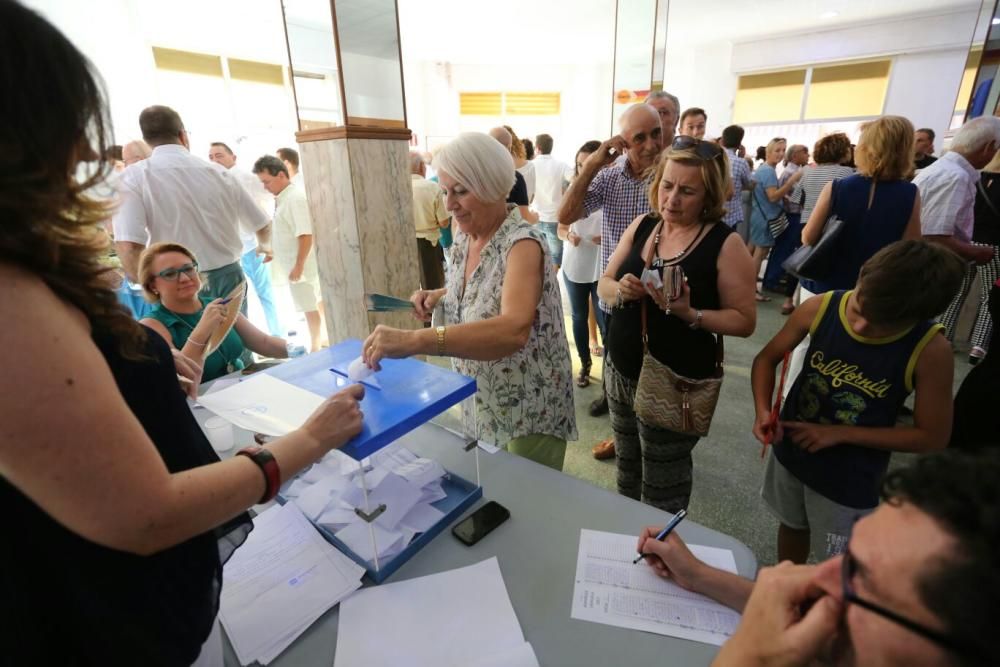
816,262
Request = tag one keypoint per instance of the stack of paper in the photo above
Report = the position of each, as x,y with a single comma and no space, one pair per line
263,404
406,484
283,578
460,618
611,590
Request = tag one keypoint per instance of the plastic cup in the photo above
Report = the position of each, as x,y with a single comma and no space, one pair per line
220,434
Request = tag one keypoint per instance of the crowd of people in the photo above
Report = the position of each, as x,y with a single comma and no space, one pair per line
104,466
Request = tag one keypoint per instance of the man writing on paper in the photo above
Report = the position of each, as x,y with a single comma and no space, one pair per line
917,584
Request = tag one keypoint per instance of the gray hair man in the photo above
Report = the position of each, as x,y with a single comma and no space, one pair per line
669,109
619,188
948,196
429,216
174,196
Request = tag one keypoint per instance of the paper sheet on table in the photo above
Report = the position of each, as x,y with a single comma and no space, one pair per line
611,590
451,619
263,404
279,582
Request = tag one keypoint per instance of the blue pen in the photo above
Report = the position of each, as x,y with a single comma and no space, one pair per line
663,533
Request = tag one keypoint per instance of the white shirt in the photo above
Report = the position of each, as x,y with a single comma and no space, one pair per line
264,199
947,197
292,220
528,171
174,196
582,263
550,174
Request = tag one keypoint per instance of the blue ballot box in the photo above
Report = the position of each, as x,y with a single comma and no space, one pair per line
409,393
404,395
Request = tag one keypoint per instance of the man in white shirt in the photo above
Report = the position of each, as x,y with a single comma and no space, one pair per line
551,176
294,259
290,158
429,216
948,196
173,196
253,264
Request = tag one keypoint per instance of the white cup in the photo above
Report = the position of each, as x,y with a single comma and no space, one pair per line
220,434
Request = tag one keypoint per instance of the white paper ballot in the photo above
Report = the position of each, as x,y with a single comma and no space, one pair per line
611,590
453,619
518,656
263,404
357,370
279,582
358,539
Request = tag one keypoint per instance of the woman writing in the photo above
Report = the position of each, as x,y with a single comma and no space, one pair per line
168,273
110,490
687,196
502,315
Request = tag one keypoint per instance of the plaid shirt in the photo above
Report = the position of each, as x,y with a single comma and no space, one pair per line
622,198
740,172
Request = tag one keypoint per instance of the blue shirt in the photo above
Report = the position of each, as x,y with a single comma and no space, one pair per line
853,380
763,209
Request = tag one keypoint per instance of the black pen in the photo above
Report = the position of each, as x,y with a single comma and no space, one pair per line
663,533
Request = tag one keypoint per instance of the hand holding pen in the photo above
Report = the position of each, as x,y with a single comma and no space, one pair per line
662,535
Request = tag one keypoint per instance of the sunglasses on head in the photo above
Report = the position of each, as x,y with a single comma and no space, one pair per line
173,273
706,150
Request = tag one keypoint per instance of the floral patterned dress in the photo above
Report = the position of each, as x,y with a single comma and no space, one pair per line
531,391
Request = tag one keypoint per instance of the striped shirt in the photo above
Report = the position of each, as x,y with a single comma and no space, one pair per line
739,170
622,198
807,190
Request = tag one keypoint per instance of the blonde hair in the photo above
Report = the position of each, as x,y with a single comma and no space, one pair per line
885,149
771,144
714,176
480,163
146,275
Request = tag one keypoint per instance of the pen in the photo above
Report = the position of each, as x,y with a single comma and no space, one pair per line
225,301
663,533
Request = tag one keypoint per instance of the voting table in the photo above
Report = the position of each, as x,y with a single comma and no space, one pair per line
536,549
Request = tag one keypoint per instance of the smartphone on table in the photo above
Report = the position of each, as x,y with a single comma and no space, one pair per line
480,523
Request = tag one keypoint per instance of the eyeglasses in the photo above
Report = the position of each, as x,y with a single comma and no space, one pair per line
706,150
849,567
172,273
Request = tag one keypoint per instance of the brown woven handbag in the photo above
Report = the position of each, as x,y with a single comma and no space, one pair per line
668,400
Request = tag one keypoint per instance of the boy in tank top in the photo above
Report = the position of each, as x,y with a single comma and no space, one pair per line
870,348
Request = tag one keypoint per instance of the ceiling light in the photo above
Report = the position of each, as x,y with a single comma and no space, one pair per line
829,15
995,21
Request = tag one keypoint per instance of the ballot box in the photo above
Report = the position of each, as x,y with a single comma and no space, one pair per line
374,499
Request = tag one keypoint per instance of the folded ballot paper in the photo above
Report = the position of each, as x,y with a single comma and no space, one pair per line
283,578
329,491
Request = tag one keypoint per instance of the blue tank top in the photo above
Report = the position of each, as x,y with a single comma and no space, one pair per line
867,229
852,380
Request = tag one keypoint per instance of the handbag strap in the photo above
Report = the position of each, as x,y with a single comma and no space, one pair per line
761,208
720,349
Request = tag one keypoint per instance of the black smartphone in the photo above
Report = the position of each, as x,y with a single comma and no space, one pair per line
480,523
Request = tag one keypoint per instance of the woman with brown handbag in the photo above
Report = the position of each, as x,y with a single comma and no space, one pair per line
663,365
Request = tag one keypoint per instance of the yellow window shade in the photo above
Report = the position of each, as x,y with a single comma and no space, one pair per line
769,97
532,104
187,61
968,78
845,91
480,104
249,70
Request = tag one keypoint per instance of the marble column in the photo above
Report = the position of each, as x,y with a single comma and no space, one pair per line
358,183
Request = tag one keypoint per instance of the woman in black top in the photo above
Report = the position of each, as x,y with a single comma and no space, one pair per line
119,514
986,231
687,197
976,421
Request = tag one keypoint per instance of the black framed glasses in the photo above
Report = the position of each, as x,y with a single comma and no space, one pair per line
849,567
173,273
706,150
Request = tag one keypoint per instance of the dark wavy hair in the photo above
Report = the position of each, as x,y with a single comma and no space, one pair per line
54,115
959,491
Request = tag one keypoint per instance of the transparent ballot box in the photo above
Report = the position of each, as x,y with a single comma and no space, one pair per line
402,480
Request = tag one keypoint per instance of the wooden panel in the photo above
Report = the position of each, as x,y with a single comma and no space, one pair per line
352,132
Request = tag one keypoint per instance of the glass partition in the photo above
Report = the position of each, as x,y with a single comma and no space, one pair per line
979,90
635,28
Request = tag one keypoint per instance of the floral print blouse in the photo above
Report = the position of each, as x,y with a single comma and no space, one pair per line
531,391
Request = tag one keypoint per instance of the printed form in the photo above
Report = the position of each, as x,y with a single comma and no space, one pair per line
611,590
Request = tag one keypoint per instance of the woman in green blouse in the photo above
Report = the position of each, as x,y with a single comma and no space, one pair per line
169,276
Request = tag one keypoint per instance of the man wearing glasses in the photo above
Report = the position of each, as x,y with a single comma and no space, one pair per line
916,585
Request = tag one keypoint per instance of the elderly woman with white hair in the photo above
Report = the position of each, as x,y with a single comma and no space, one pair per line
499,315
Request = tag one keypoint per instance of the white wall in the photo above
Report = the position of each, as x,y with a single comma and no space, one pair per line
701,76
